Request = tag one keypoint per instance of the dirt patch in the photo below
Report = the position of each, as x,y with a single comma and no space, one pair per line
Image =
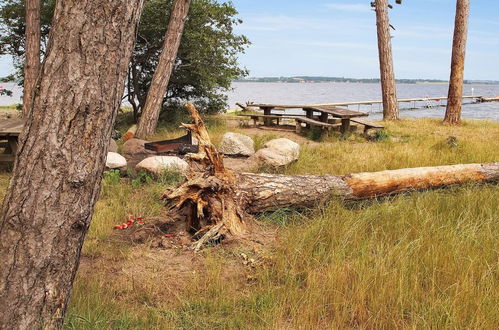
9,114
161,264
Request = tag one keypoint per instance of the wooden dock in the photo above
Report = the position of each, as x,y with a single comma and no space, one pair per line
488,99
369,102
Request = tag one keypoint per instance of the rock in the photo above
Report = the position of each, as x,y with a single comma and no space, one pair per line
158,164
236,144
136,147
113,146
277,153
284,146
115,161
249,164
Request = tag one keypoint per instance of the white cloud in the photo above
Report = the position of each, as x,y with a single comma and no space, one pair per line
358,7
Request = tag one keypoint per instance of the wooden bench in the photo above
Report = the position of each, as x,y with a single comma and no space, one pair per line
266,118
367,124
9,133
311,123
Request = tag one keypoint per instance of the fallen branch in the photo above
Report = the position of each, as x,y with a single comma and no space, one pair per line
217,202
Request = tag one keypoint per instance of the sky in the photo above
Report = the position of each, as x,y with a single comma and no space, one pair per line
338,38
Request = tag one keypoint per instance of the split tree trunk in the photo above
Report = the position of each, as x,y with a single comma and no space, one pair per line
159,84
31,52
388,88
455,97
218,202
57,174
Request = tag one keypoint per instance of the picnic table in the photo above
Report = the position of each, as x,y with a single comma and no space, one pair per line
9,134
322,119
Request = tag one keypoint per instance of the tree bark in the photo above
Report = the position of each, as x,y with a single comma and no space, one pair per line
217,201
266,192
32,52
455,97
57,174
388,88
159,84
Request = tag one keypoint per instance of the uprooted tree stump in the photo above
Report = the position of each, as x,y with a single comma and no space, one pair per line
218,203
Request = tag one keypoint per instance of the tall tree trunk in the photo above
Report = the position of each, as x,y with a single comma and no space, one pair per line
455,97
32,52
159,84
57,174
388,88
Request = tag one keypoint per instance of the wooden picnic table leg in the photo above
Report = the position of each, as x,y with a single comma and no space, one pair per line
345,125
309,113
266,112
324,117
12,140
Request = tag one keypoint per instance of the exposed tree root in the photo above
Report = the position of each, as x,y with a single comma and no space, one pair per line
208,198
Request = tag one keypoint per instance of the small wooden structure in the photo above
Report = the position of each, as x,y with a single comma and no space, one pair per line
9,134
181,145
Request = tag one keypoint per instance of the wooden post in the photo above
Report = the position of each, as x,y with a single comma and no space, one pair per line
389,91
345,125
32,53
454,100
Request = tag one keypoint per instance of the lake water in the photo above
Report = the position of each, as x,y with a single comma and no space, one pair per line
310,93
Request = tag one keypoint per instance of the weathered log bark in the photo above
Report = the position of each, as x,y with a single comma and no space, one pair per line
388,88
57,174
454,100
31,52
159,84
265,192
218,202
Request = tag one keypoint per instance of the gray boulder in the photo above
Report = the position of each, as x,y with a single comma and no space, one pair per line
115,161
156,165
278,152
235,144
136,147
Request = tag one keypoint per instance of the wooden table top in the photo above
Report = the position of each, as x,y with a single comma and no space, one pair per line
11,127
332,110
338,112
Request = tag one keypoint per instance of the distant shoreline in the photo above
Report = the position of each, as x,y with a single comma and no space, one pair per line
315,80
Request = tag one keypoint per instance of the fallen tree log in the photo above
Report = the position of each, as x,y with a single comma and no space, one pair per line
264,192
218,202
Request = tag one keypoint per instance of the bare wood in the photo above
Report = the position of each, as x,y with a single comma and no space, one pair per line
159,84
454,101
32,52
55,184
208,197
265,192
389,90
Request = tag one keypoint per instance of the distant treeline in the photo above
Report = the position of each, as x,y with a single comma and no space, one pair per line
307,79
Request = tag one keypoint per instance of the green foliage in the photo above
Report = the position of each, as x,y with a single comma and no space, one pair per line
206,62
111,177
12,24
380,136
207,57
142,178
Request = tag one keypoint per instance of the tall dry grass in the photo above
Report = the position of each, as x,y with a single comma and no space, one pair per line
422,260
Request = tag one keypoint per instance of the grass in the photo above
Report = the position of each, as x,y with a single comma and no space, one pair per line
421,260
